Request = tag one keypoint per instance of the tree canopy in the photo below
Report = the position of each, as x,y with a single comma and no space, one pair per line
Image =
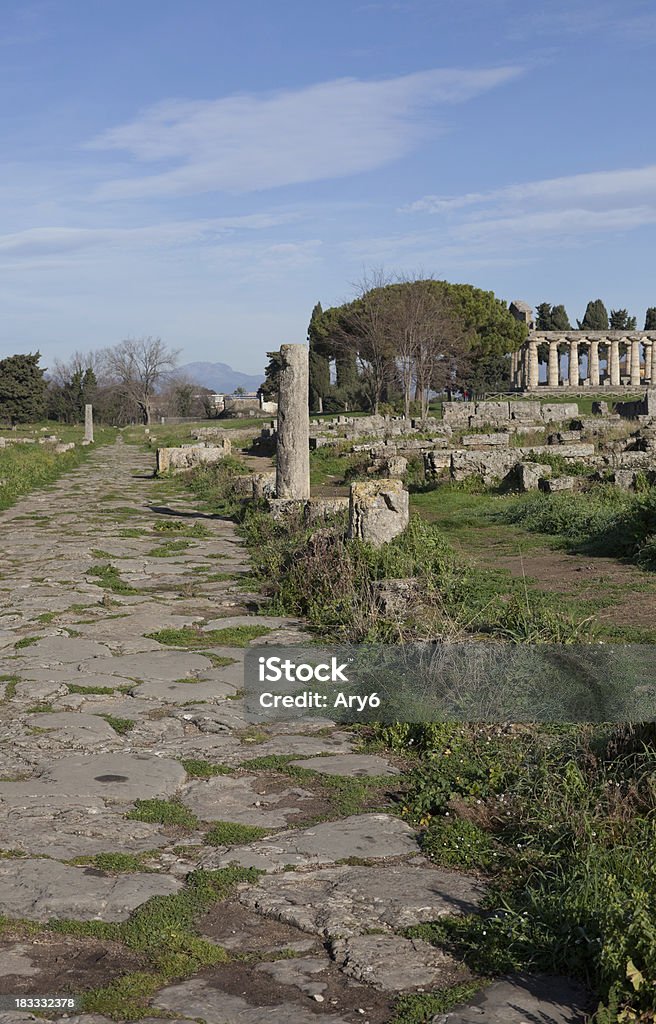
552,318
595,318
620,320
22,388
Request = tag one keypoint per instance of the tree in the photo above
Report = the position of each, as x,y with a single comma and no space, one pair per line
239,391
491,373
552,318
650,319
596,317
22,388
138,366
621,321
543,316
320,354
271,385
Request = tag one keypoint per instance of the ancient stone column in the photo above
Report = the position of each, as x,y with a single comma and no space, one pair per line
514,365
653,364
635,362
649,347
553,374
88,423
533,365
293,457
614,362
593,364
573,363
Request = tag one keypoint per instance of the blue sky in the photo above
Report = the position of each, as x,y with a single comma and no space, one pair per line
206,171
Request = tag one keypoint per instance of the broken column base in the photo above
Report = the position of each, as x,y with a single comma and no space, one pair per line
379,510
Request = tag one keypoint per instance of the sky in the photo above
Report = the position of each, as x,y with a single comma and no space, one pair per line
206,171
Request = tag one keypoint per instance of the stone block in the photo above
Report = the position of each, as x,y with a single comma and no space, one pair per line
556,412
178,460
491,465
61,448
319,510
282,508
436,462
564,437
263,485
529,474
559,483
458,413
378,511
600,409
486,440
526,412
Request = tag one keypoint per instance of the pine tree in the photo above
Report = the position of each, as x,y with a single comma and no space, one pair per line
621,321
596,317
650,319
543,317
319,360
560,319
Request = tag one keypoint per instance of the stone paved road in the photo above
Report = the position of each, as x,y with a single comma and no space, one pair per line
121,773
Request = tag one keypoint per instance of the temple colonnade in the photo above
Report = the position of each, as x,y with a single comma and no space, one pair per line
612,358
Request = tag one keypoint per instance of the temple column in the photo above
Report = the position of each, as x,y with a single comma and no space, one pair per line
553,378
523,369
593,364
635,362
573,364
653,364
614,362
649,358
514,367
533,365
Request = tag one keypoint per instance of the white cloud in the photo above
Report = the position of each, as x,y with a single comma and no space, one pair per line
244,143
39,242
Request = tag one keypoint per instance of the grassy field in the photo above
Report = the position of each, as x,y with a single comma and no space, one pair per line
25,467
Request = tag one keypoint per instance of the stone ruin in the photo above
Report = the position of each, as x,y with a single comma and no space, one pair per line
188,456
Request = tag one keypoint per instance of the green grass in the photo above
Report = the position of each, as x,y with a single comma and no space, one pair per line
169,549
194,639
229,833
27,641
179,528
199,769
421,1007
109,578
163,812
79,688
28,467
119,725
11,684
118,863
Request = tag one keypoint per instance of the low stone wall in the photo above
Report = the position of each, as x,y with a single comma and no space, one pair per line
470,415
177,460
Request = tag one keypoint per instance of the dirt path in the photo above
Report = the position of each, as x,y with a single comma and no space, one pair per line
132,813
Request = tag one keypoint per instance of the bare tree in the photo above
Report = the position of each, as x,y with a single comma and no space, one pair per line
138,366
365,326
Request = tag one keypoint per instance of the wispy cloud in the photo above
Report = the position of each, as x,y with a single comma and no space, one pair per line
571,207
245,143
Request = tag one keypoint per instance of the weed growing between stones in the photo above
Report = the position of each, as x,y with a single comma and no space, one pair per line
163,812
119,725
109,578
421,1007
563,822
229,833
26,641
181,529
11,684
169,549
78,688
118,863
199,769
192,639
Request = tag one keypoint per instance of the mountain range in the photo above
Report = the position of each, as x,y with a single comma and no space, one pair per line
221,377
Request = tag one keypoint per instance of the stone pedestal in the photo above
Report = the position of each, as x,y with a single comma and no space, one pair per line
88,423
378,511
293,457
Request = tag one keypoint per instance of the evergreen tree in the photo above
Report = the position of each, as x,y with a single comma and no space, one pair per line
596,317
560,319
650,319
621,321
271,384
543,317
319,360
22,388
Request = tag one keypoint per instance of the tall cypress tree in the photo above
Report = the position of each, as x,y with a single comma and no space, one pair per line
596,317
560,319
319,361
650,319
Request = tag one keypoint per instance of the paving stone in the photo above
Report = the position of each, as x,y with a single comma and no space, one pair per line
182,693
160,664
244,800
524,1000
117,777
199,998
18,959
364,835
54,650
41,890
351,765
301,972
78,729
67,826
395,964
336,743
348,900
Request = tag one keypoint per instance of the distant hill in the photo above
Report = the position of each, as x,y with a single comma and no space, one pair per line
221,377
